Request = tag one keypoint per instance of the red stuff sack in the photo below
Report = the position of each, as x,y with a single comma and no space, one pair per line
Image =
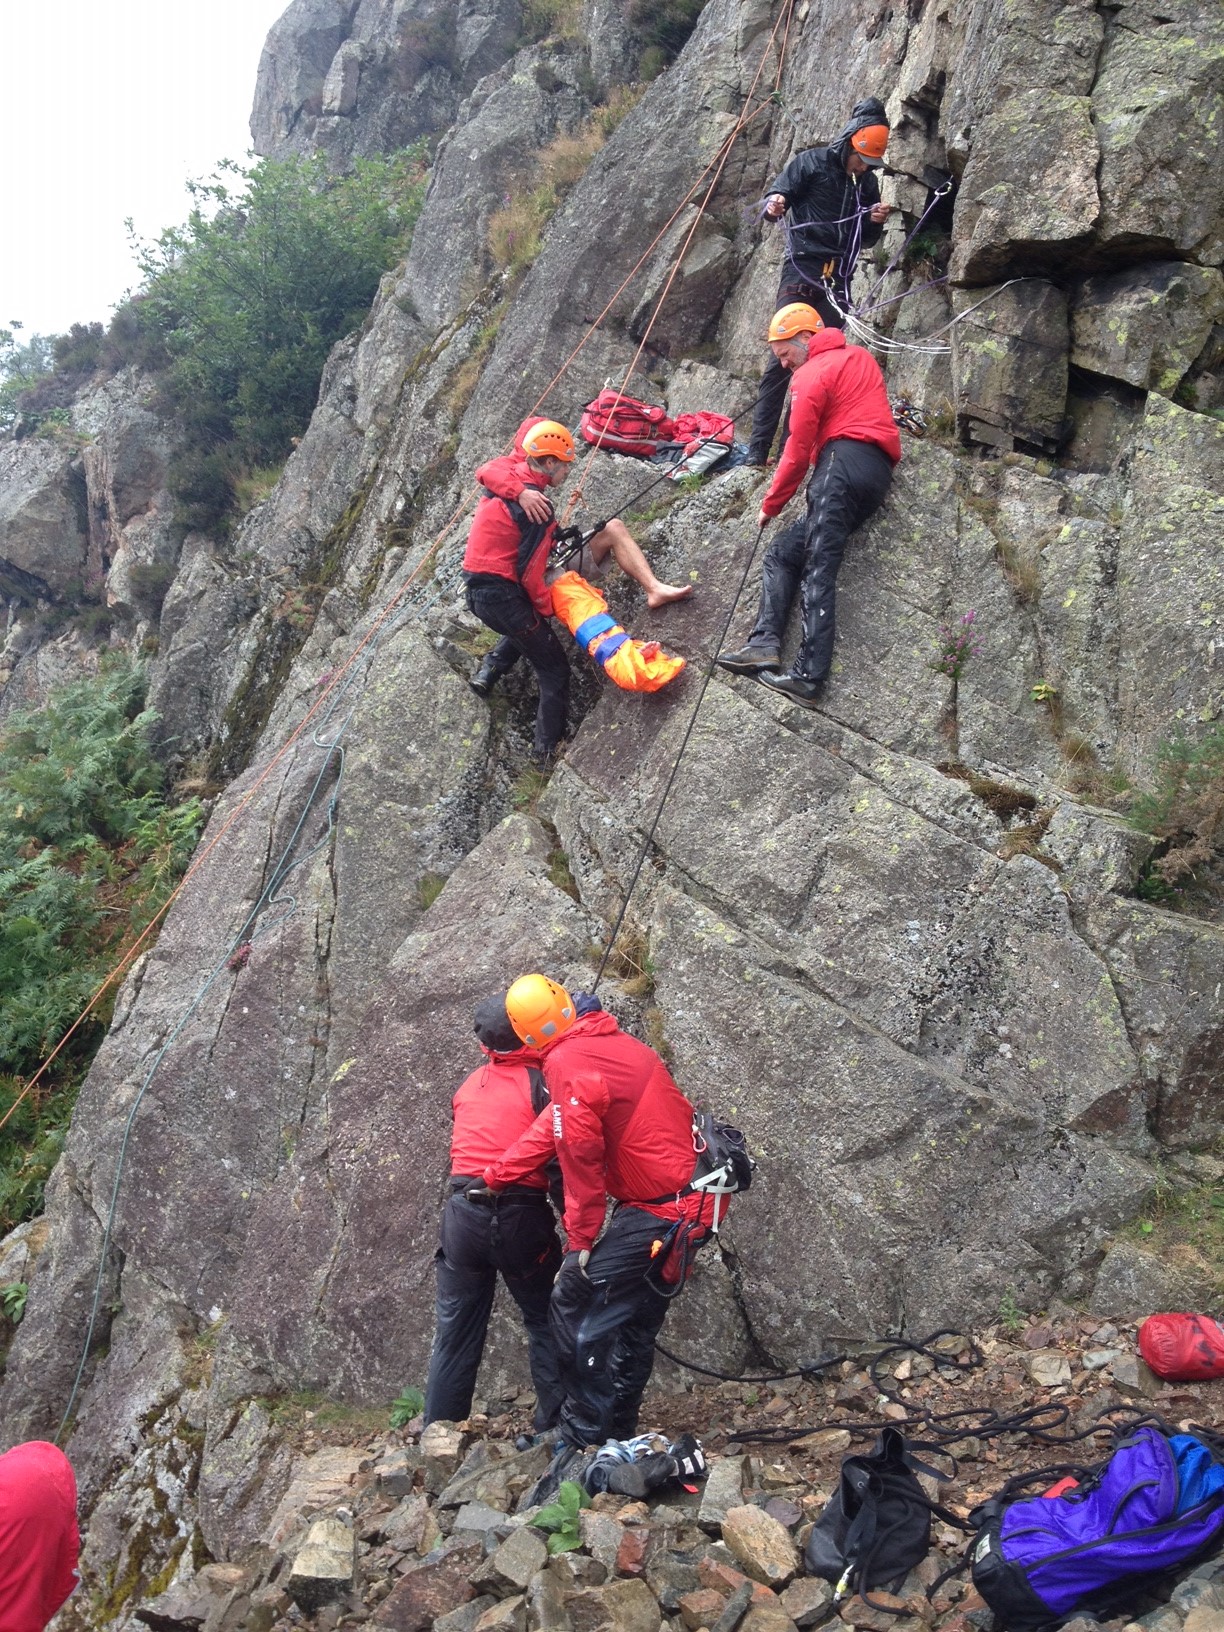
1182,1348
620,424
694,429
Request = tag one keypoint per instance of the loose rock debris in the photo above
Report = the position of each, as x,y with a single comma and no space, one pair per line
428,1531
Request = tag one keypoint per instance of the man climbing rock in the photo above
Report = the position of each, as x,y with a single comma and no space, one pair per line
841,423
832,199
621,1128
483,1235
505,562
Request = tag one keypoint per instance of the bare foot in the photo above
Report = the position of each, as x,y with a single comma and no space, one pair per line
665,594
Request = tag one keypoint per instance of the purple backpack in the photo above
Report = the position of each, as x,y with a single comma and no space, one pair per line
1154,1507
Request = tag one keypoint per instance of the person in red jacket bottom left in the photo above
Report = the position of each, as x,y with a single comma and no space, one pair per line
483,1235
39,1541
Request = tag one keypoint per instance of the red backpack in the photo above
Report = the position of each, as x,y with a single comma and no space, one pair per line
712,429
621,424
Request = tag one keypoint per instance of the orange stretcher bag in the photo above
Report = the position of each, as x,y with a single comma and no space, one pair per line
635,665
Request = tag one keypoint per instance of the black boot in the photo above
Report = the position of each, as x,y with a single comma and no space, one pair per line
794,686
750,659
486,677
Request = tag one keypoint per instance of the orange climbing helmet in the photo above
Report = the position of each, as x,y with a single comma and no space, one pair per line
794,319
869,143
548,440
540,1011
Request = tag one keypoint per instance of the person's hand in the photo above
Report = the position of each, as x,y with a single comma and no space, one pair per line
535,506
775,206
880,213
763,520
574,1263
480,1194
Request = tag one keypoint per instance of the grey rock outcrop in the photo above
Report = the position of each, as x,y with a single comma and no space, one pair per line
896,939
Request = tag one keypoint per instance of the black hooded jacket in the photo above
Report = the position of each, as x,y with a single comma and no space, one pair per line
822,199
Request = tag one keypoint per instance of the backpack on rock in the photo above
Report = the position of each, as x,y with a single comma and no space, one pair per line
1156,1506
877,1525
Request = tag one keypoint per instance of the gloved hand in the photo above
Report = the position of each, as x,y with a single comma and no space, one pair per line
574,1263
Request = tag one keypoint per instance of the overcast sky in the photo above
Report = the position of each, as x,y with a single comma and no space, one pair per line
106,108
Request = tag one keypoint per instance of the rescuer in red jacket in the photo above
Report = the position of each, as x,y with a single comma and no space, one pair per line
621,1128
506,560
512,1233
39,1542
841,423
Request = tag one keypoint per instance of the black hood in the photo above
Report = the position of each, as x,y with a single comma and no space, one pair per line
870,111
493,1029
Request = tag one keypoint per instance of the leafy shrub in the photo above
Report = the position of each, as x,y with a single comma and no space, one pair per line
410,1404
22,365
89,850
551,19
561,1517
1185,809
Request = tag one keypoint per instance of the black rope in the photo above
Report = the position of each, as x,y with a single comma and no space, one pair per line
649,839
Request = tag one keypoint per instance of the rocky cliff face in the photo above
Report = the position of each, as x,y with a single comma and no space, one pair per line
898,938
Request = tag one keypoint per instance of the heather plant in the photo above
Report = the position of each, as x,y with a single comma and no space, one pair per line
1184,809
955,644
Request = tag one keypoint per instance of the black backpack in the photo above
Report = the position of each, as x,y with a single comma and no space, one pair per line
877,1525
724,1165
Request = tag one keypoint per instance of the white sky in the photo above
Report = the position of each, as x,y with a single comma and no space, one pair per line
107,107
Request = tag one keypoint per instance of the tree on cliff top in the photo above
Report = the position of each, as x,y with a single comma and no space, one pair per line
273,265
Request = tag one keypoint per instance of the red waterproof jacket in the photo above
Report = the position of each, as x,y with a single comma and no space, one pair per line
839,391
38,1535
502,541
619,1125
492,1110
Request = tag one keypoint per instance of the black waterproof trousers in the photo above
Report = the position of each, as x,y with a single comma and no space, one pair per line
847,486
604,1325
515,1236
772,393
506,607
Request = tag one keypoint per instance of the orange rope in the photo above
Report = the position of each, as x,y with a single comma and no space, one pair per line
128,956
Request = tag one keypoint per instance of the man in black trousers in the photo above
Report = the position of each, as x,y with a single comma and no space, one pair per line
831,199
512,1233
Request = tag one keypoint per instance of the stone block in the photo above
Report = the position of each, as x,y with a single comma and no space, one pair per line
1009,359
1147,324
701,1608
324,1565
808,1601
1048,1367
465,1616
510,1568
670,1578
724,1488
1016,212
546,1611
762,1546
437,1584
510,1615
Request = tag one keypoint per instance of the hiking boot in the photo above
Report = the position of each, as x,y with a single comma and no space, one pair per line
750,659
805,692
485,678
566,1464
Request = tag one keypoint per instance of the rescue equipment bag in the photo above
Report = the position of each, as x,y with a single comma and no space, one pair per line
1183,1348
876,1526
1153,1507
634,665
620,424
724,1164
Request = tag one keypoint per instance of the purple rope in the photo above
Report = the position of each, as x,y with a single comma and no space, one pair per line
870,303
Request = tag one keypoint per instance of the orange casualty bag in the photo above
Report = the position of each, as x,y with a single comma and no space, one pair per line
635,665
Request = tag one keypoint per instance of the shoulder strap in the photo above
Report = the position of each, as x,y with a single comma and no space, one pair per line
531,535
539,1089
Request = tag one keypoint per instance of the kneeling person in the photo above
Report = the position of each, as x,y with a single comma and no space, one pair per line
512,1234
